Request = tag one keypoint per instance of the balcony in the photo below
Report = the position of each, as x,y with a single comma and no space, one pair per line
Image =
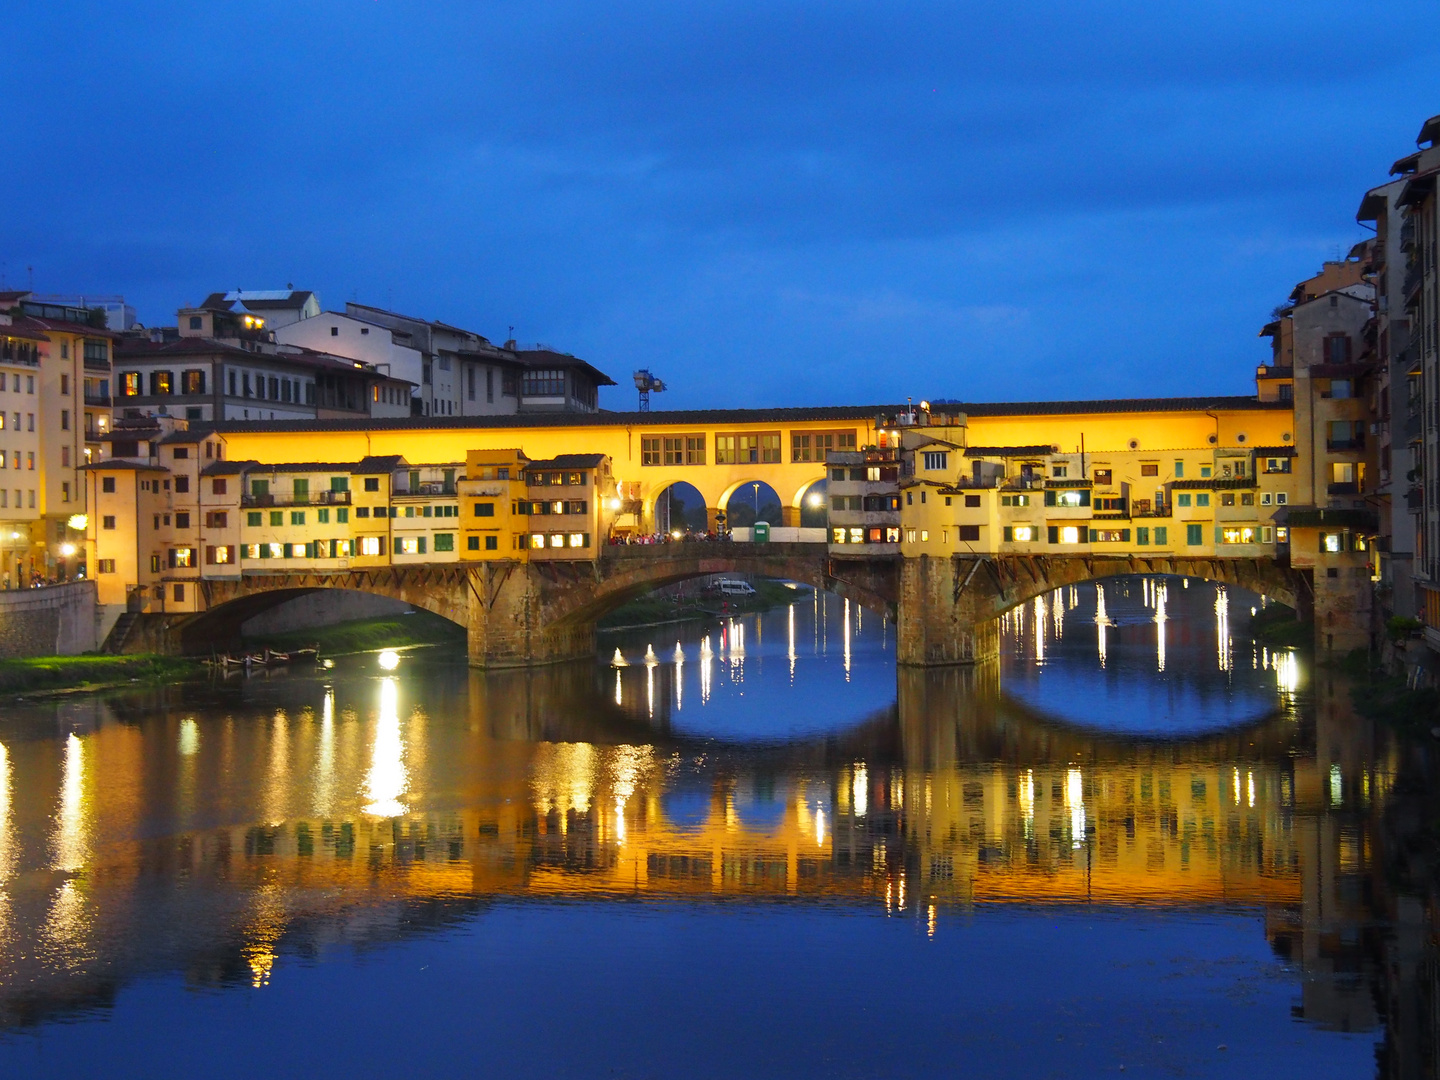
436,488
314,498
1415,499
1350,488
103,400
1407,235
1357,443
1147,511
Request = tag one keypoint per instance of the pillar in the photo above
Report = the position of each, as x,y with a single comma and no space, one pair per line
934,626
790,517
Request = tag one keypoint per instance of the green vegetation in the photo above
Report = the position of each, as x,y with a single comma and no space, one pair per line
38,673
1277,627
362,635
655,608
1398,628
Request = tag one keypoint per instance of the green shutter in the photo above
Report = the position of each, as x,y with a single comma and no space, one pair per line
1084,498
1094,533
1125,535
1009,534
1194,535
1162,535
1049,498
1142,536
1053,534
422,545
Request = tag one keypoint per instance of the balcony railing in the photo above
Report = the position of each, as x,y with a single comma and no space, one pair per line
97,399
1151,512
314,498
1350,488
1357,443
436,488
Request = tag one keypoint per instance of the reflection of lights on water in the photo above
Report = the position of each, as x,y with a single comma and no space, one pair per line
563,779
1027,802
71,839
930,921
790,626
6,846
1059,612
650,689
650,658
1237,787
1287,672
859,789
1040,629
1250,785
325,760
1075,802
189,744
1102,622
820,826
387,779
619,692
847,640
1222,629
1337,789
389,660
679,677
1162,594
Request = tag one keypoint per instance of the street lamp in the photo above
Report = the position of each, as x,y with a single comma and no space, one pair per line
756,486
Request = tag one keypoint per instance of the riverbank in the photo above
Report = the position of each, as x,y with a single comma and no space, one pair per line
419,627
654,610
46,674
1277,627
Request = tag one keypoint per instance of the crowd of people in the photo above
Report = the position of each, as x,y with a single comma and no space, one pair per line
689,536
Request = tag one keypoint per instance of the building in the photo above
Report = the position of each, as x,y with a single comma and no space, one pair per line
864,500
115,313
54,410
458,372
267,308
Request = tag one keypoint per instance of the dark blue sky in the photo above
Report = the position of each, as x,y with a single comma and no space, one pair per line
775,203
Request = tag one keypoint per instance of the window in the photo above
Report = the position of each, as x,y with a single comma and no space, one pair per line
1014,500
297,517
1064,534
814,445
1194,534
970,500
1059,472
107,522
579,540
362,512
254,518
107,566
1021,534
1204,472
1109,536
1281,498
1247,498
160,383
542,383
1179,470
1265,499
1102,477
182,557
182,520
1277,465
1267,534
747,449
277,518
129,384
1142,536
178,592
935,460
1337,346
1067,498
107,485
372,483
195,322
322,517
1149,468
372,545
1202,499
182,485
217,519
1236,535
182,453
342,515
969,533
192,381
1227,499
486,509
64,379
537,540
1183,499
444,541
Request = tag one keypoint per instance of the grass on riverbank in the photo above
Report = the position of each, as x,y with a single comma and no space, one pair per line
655,608
363,635
1277,627
29,674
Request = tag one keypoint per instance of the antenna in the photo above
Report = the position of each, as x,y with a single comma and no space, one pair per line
645,383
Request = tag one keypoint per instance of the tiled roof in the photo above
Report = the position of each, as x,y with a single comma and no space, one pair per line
1120,405
367,466
122,465
27,333
1008,451
1274,451
64,327
568,461
228,468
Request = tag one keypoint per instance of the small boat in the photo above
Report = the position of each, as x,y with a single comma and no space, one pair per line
234,661
618,660
306,656
276,657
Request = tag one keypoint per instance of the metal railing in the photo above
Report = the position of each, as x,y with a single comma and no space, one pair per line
313,498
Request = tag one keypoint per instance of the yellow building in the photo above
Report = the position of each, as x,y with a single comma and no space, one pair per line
493,497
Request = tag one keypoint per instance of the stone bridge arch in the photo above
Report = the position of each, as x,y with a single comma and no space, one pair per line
948,608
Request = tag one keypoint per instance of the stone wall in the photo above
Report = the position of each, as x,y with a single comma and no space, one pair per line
324,607
59,620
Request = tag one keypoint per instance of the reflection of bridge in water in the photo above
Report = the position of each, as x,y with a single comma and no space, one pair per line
531,786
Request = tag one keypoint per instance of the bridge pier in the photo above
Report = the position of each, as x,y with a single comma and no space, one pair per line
945,616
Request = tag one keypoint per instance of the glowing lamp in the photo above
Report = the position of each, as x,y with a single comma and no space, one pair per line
67,550
389,660
78,522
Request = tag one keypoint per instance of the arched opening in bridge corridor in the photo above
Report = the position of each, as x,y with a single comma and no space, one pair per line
809,508
1151,655
750,501
294,617
680,508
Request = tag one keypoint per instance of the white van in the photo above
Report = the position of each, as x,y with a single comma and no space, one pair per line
731,587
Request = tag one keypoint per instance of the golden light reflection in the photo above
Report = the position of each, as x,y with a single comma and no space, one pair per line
563,778
277,785
1075,803
1026,793
1102,621
7,842
189,744
71,836
679,677
1222,629
930,921
325,757
619,690
847,640
859,789
1287,672
262,934
1162,594
790,622
387,779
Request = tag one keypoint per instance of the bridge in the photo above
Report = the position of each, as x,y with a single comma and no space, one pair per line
524,613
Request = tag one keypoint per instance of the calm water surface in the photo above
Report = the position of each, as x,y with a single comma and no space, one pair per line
1138,841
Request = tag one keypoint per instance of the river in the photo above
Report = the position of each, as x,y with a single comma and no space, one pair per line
1140,840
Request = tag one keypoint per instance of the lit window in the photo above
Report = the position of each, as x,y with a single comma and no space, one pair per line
910,536
370,545
537,540
924,535
577,540
557,540
184,556
1282,534
1059,472
1069,498
857,536
1330,542
277,551
892,536
1024,534
1240,535
839,536
222,554
1069,534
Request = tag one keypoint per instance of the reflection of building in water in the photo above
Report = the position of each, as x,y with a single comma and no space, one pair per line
534,785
